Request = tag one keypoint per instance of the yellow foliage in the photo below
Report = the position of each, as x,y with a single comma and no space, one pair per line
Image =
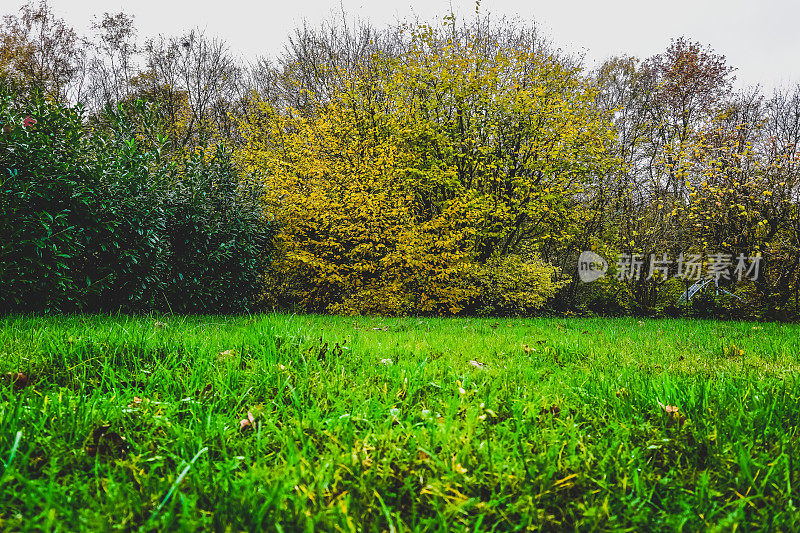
408,192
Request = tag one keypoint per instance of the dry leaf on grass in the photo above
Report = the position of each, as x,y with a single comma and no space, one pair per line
457,466
225,355
673,413
553,410
204,393
136,401
247,422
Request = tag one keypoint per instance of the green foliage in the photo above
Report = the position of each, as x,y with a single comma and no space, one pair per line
605,297
43,204
219,240
668,295
127,258
100,221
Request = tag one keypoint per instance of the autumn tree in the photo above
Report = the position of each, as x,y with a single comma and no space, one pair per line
692,83
448,164
748,201
662,108
38,51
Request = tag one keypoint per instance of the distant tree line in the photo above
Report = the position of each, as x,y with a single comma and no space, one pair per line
457,167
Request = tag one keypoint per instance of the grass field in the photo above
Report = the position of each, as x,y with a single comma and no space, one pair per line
320,423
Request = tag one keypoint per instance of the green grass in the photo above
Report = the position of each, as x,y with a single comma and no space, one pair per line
563,427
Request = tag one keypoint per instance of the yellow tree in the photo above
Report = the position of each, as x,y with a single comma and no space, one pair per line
435,176
747,202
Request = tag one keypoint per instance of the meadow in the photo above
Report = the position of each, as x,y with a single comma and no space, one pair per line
321,423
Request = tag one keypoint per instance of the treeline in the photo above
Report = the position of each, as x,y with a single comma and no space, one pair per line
447,168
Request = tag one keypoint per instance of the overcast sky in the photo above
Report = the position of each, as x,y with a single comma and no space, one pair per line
760,38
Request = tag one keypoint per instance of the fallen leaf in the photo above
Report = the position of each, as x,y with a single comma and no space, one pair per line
553,410
205,392
247,422
673,414
136,401
131,385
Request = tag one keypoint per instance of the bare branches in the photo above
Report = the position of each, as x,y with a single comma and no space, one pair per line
40,52
114,64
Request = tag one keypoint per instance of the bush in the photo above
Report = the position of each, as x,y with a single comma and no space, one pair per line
43,204
218,239
514,286
101,222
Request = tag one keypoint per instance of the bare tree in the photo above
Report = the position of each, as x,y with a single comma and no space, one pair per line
199,79
114,63
39,51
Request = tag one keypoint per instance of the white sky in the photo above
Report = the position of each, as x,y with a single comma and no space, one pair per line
760,38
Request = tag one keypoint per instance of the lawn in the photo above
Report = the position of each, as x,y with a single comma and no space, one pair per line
286,422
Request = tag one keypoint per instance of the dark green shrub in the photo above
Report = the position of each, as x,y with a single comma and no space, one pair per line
126,259
43,204
101,221
218,240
